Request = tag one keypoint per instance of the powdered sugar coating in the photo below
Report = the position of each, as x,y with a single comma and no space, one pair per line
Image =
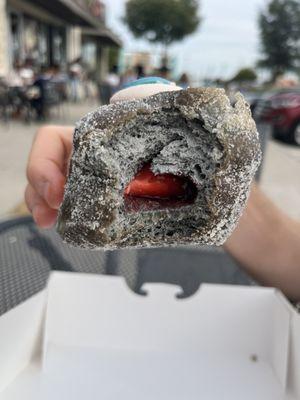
196,133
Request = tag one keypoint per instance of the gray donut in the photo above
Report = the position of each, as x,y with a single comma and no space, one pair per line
195,133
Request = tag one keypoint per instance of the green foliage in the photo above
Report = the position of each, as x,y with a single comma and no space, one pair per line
280,34
162,21
245,75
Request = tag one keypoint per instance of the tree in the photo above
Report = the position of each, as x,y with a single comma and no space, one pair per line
280,36
162,21
245,75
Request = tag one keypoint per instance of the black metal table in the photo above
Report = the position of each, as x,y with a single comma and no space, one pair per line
28,254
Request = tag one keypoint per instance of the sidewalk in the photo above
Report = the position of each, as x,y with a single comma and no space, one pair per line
280,177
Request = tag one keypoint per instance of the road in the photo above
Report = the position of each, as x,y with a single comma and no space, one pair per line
280,177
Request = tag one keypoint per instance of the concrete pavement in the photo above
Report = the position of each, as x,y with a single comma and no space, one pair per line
280,177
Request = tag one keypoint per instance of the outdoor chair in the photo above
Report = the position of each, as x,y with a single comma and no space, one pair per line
4,102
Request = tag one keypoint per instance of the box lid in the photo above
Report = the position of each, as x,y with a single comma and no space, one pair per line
223,342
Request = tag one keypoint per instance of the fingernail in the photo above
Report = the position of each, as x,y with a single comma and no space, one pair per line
54,198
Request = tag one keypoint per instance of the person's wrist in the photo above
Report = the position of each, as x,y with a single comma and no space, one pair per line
266,244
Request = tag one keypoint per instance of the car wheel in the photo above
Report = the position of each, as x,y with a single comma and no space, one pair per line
296,134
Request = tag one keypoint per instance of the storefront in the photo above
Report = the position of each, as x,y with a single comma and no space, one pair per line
40,42
50,32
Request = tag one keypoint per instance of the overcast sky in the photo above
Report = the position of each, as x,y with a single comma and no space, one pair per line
226,40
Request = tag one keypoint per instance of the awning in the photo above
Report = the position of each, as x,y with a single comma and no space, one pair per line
104,35
68,10
73,12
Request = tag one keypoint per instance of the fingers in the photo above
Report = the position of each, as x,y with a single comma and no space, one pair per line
46,172
47,163
44,217
42,214
47,179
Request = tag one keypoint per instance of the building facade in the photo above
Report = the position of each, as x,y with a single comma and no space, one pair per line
54,32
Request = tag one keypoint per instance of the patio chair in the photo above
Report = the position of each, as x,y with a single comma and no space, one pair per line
4,101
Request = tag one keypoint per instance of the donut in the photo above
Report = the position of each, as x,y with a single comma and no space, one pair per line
174,168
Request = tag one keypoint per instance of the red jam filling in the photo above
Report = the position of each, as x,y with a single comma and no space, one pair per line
148,191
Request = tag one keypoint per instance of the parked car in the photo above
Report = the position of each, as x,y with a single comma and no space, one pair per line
282,111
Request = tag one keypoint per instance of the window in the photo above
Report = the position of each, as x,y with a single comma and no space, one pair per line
58,45
31,35
15,30
43,44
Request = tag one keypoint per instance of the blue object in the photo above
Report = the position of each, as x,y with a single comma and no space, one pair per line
148,81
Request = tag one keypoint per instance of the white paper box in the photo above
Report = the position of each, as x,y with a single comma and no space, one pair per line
90,337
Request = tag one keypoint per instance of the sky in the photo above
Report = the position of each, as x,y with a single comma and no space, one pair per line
227,39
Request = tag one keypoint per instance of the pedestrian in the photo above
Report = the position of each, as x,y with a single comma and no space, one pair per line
27,72
113,79
75,76
37,94
140,71
110,85
164,72
128,77
13,79
184,81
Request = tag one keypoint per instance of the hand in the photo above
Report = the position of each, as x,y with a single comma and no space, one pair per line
46,172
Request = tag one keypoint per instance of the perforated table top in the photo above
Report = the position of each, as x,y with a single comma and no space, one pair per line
28,254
